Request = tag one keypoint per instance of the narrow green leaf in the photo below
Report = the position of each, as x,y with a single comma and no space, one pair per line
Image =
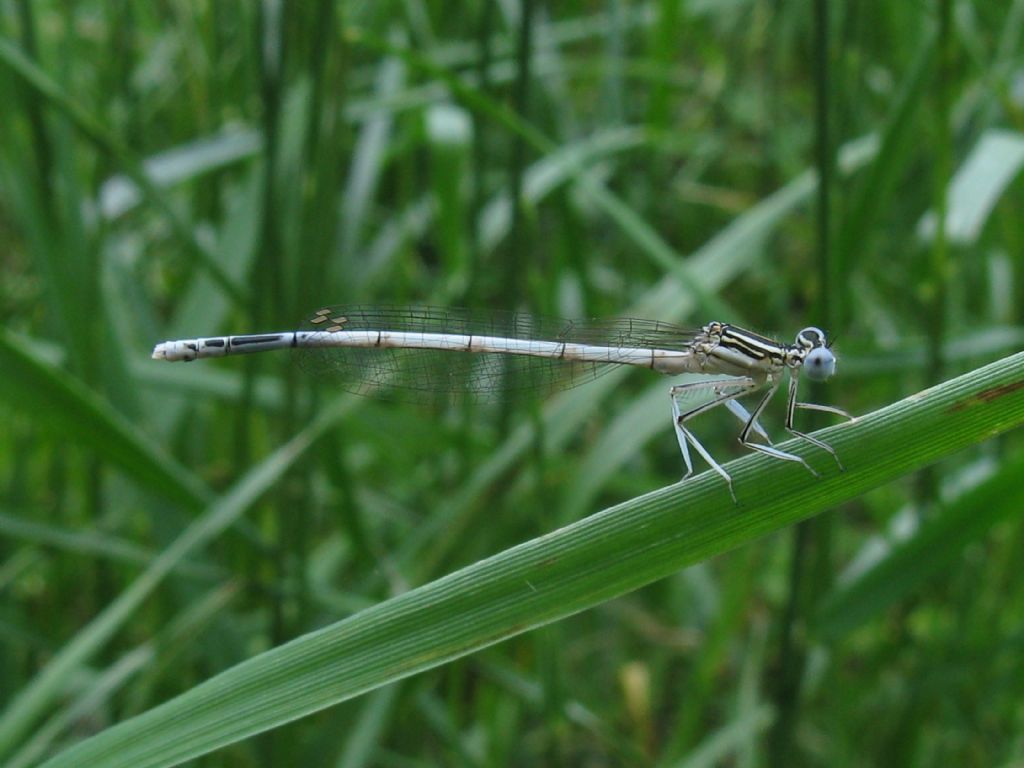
730,739
633,225
25,708
880,180
36,79
54,398
93,544
932,550
119,194
978,184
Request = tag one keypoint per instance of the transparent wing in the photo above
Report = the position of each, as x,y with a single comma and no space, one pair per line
416,374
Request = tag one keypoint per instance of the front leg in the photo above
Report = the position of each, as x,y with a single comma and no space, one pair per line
794,380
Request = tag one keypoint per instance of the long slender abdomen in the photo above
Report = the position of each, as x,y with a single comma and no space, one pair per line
665,361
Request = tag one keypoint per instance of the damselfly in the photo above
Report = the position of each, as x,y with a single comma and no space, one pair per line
398,352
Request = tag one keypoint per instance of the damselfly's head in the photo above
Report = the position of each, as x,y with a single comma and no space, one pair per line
819,362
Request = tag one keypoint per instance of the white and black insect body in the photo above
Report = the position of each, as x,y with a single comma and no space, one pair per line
393,352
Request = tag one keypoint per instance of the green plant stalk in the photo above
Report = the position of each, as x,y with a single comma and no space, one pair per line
934,549
35,78
25,707
65,406
639,231
564,572
810,539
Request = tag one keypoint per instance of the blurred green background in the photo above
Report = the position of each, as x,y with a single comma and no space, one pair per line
175,169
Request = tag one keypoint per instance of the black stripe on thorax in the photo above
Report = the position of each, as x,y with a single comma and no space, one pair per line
752,344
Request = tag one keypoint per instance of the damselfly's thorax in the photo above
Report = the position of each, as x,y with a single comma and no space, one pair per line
724,348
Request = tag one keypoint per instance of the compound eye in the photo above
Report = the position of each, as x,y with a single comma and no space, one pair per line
811,337
820,364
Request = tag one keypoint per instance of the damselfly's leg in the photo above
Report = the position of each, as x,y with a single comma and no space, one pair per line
791,410
736,409
767,449
826,409
725,391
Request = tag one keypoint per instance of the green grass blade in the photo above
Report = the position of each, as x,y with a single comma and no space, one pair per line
68,408
933,549
29,704
978,185
93,543
632,224
561,573
52,93
120,195
880,181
